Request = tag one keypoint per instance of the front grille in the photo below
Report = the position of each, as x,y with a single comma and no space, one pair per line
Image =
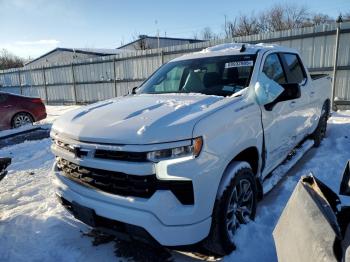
125,184
64,146
121,155
80,151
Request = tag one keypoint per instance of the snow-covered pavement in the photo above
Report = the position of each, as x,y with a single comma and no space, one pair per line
34,227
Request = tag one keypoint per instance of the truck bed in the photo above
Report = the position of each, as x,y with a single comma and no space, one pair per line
317,76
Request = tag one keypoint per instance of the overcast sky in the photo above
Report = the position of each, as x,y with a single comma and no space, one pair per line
33,27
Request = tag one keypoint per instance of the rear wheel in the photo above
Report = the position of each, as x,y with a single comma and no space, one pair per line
22,119
235,206
321,129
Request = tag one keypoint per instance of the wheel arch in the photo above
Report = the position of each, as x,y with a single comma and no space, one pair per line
251,156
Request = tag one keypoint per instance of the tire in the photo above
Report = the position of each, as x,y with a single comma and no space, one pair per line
230,209
321,129
21,119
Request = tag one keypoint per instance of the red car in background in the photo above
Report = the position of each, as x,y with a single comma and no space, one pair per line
17,110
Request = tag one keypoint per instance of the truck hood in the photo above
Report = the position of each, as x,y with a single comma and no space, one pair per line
138,119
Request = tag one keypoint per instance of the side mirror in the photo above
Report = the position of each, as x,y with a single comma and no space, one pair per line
345,182
291,91
133,90
267,90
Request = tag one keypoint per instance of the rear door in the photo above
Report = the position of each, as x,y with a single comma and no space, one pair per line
303,110
4,111
279,122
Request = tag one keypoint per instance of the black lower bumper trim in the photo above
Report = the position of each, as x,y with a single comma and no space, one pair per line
113,227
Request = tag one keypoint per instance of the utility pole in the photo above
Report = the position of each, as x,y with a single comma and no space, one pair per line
159,53
339,21
156,22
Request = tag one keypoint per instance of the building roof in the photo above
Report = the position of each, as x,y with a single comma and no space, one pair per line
161,38
91,51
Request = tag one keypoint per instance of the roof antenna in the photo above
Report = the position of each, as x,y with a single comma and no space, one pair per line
242,48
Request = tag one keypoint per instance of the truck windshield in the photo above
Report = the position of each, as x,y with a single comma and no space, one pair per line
221,76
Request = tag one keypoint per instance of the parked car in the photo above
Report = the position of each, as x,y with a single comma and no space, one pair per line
185,159
17,110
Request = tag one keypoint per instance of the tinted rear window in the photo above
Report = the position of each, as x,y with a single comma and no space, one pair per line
296,73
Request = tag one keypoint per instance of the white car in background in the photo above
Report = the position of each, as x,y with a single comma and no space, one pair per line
186,158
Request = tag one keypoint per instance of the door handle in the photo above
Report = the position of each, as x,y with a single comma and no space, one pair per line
312,93
7,106
292,104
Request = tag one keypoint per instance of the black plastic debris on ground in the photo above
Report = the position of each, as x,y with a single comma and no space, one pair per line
131,250
27,135
4,163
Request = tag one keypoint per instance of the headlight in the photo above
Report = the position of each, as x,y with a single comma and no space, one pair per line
191,150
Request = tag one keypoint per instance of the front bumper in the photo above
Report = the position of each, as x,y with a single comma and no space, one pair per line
162,214
145,213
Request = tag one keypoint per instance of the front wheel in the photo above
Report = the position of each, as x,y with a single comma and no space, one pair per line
22,119
234,206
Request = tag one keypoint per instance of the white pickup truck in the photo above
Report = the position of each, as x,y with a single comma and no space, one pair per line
186,157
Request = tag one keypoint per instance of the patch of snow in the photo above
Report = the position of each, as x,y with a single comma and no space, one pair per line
236,47
231,171
141,130
281,170
17,130
176,104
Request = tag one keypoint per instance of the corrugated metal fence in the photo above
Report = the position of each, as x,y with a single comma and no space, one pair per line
105,77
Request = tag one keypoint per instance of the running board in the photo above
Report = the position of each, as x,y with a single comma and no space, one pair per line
282,169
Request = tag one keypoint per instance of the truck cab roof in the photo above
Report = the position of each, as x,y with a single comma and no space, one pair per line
234,49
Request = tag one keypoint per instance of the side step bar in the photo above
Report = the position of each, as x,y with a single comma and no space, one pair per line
282,169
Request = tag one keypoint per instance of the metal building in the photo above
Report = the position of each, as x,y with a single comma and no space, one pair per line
151,42
69,55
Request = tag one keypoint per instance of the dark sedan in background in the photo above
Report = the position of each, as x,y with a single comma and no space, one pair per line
17,110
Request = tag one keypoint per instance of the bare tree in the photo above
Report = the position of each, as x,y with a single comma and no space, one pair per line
207,34
318,19
295,16
346,17
230,28
247,25
8,60
278,17
282,17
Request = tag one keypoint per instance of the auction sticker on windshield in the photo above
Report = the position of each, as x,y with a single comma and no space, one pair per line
239,64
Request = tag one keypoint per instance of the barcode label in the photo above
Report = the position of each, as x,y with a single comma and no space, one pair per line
239,64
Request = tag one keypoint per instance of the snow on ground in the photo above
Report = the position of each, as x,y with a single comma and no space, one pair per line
34,227
8,132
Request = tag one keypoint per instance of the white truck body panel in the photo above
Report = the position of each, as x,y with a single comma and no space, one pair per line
149,122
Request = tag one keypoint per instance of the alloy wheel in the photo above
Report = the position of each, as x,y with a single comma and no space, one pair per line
21,120
240,206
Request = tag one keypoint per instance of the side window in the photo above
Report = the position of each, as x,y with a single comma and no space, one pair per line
296,73
171,82
273,69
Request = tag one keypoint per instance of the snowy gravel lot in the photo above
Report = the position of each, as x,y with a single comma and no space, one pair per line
34,227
